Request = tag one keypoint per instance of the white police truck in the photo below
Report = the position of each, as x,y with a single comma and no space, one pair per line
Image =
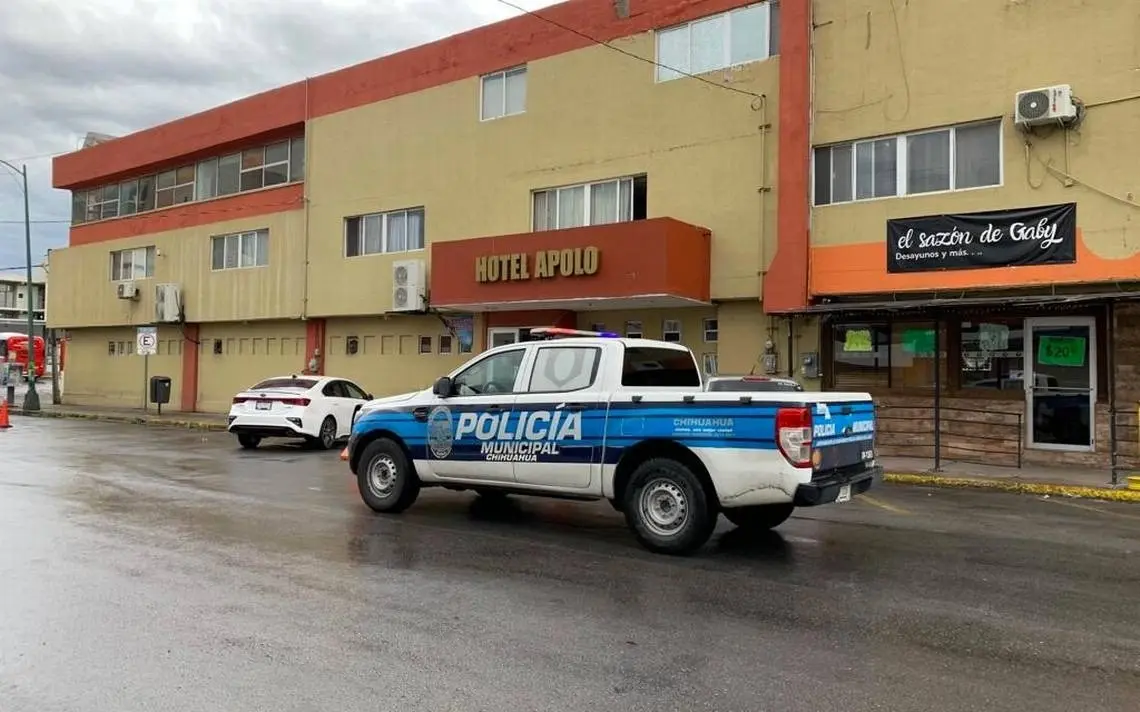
590,415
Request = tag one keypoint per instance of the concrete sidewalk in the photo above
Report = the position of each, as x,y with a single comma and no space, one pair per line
136,416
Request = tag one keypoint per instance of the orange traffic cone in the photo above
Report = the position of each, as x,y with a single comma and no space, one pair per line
4,424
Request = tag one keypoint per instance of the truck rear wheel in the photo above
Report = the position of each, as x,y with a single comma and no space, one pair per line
760,517
667,507
386,479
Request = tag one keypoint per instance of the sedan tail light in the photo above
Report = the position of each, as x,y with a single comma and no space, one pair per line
293,401
793,435
241,399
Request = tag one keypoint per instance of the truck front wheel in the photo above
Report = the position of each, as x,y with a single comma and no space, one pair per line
760,517
667,508
386,480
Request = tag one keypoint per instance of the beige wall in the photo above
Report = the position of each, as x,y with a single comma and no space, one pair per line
81,292
96,377
591,115
871,80
388,361
250,352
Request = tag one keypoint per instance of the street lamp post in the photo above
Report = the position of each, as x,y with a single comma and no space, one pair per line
31,398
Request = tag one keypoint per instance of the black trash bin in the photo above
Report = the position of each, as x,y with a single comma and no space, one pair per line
160,391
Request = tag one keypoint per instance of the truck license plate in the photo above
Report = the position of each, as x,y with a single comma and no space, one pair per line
844,494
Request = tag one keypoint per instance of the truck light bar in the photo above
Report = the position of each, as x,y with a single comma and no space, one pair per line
554,332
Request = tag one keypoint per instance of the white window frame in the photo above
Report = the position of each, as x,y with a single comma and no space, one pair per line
7,288
901,158
102,201
671,326
148,253
665,68
634,330
714,329
556,192
260,246
505,75
383,234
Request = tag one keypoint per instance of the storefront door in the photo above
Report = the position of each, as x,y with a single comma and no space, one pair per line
1060,382
503,335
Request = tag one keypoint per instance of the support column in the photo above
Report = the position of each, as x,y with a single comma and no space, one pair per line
190,351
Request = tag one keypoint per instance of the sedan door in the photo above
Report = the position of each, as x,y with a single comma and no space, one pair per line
340,406
357,398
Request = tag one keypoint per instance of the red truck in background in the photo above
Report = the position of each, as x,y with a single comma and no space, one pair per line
14,349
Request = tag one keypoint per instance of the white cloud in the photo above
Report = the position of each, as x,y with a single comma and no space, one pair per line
116,66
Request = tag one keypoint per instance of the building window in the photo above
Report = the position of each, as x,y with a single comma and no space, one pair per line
954,158
137,263
378,233
709,326
425,345
709,361
503,94
601,203
671,330
992,353
874,357
240,250
633,330
7,296
720,41
445,343
261,167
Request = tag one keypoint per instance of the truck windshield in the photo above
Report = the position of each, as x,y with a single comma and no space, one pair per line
647,367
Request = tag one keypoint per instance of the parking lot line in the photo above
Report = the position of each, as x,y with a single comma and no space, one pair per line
881,504
1090,508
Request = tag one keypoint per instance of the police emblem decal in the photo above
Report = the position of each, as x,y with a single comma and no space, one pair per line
441,432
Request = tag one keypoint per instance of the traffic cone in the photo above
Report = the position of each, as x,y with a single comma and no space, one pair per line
4,424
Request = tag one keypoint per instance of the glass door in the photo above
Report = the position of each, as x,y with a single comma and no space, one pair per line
1060,382
503,335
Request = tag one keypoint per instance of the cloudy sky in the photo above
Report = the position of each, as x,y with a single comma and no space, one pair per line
116,66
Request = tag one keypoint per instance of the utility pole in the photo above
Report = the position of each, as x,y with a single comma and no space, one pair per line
31,398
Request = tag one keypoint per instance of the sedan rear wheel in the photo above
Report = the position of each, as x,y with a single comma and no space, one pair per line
326,436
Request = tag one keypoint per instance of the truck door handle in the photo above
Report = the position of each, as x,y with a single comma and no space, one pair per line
420,413
575,406
494,406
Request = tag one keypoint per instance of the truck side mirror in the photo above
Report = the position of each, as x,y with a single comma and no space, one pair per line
442,387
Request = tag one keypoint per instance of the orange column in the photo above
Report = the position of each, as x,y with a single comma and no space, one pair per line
786,281
190,352
314,340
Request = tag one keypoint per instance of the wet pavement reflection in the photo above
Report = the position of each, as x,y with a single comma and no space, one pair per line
147,568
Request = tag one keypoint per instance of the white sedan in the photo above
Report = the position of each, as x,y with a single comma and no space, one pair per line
317,409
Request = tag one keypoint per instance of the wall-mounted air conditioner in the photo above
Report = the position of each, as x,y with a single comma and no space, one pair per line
1044,106
167,303
409,284
127,290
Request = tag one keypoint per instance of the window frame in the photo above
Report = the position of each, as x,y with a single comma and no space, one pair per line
771,43
902,165
519,349
587,201
260,237
384,217
715,330
149,253
666,331
594,370
518,70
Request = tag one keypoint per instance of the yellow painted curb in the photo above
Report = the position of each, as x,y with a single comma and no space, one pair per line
1134,483
1010,485
154,420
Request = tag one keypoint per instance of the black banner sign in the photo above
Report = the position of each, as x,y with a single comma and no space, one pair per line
1005,238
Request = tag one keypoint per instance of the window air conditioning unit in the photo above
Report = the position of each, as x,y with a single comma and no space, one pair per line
1047,105
167,303
127,290
408,285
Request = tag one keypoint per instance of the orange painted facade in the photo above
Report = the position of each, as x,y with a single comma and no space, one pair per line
643,258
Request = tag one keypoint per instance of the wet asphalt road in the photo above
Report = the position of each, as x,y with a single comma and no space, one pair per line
153,569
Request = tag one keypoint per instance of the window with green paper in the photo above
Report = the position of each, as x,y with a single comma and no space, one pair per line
860,358
912,354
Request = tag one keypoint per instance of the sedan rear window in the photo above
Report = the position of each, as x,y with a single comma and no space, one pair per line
275,383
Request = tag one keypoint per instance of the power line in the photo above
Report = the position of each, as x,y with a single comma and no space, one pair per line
23,159
627,53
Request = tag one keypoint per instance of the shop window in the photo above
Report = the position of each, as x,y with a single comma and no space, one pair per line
992,354
671,330
861,359
912,355
709,326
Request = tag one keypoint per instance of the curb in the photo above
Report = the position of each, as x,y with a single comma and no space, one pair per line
1017,486
152,421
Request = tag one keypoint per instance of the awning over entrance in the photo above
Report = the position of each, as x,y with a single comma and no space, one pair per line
642,264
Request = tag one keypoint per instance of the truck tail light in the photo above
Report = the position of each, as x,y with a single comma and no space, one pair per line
793,435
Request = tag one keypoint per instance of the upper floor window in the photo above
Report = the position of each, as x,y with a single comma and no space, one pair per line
377,233
136,263
727,39
261,167
239,250
7,296
503,94
600,203
954,158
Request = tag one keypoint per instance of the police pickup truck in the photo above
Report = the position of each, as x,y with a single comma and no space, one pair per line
590,415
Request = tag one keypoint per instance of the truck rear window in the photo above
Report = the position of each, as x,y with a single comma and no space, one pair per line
659,368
